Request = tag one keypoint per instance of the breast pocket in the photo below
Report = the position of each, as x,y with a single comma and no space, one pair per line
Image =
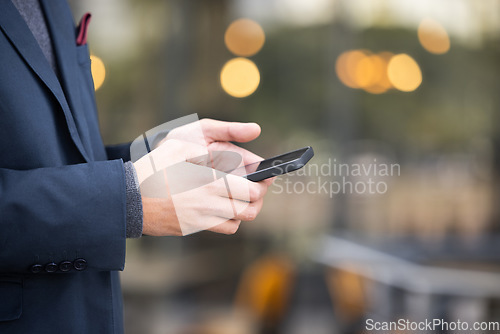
11,299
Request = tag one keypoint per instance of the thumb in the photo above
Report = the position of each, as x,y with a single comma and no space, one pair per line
229,131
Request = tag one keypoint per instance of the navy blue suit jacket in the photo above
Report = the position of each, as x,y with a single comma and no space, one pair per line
62,197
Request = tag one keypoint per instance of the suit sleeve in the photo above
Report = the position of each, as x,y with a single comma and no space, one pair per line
63,214
121,151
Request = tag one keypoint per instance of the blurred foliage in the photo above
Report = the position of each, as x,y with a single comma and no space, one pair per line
178,51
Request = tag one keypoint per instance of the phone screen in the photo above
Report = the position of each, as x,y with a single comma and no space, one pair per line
268,163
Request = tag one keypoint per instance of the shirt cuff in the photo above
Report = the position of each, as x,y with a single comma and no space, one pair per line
134,202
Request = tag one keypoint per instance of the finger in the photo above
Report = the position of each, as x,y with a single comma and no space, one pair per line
228,227
268,182
225,160
241,189
229,131
247,156
220,206
219,201
251,211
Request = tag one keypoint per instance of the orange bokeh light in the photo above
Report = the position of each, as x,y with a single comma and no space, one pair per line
433,37
98,71
244,37
364,70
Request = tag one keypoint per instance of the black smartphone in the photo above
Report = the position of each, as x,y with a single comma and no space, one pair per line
278,165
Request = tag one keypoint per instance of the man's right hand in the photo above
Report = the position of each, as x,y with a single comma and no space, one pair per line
181,198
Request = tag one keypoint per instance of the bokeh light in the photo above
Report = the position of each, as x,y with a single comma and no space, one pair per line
365,70
240,77
244,37
380,82
433,37
341,69
404,73
346,67
98,71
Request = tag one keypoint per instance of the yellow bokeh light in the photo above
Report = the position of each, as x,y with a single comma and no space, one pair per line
362,69
404,73
341,69
244,37
379,82
369,71
239,77
433,37
384,81
346,67
98,71
353,61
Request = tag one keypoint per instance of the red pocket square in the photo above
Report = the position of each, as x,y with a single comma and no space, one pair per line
81,38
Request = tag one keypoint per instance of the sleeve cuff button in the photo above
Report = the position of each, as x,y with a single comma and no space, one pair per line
80,264
51,267
36,268
65,266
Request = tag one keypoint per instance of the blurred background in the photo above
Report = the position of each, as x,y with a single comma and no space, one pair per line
408,84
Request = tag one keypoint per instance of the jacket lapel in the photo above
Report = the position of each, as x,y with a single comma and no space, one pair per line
21,37
63,33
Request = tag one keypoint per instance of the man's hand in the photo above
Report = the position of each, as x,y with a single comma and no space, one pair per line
206,204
